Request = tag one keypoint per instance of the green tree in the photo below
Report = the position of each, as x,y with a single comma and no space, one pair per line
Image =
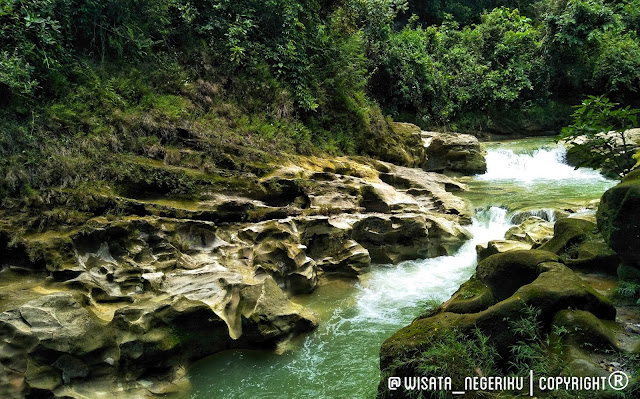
443,72
598,135
592,46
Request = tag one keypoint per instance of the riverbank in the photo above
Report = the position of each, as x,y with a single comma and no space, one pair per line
158,282
357,316
548,300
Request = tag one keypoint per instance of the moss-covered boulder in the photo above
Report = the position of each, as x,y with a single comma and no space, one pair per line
568,232
395,142
583,329
506,289
619,218
457,153
555,288
505,273
593,256
472,296
500,246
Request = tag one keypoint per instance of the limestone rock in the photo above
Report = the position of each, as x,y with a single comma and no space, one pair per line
500,246
397,238
472,296
568,232
329,242
577,156
547,214
504,287
533,230
453,152
400,144
505,273
50,341
593,256
581,247
584,330
144,292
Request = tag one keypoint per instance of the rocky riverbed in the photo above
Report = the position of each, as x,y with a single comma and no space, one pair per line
123,303
542,300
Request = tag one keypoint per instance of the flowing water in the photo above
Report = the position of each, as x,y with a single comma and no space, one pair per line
340,358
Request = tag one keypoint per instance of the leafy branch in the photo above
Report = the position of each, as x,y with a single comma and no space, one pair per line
599,134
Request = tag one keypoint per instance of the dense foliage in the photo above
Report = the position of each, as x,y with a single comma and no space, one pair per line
598,135
84,82
531,63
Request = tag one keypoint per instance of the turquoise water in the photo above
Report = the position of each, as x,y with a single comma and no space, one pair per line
532,174
340,358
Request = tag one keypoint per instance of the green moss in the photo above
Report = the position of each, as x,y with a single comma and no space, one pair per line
619,218
504,273
568,232
585,330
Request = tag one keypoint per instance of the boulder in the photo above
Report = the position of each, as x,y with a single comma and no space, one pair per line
409,236
584,330
50,341
500,246
505,289
473,296
553,288
453,152
593,256
619,218
568,232
533,230
577,155
395,142
329,242
505,273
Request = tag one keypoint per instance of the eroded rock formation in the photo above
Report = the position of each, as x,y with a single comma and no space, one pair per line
125,301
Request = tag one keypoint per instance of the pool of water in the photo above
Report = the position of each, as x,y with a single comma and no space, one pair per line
340,358
533,174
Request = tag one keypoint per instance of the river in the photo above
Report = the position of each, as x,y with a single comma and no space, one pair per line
340,358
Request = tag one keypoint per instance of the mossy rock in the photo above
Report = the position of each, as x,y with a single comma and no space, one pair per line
584,330
628,273
500,246
594,256
568,232
472,296
417,336
583,368
555,289
398,143
619,218
505,273
559,288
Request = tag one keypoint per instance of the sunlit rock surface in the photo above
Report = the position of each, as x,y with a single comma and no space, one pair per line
128,299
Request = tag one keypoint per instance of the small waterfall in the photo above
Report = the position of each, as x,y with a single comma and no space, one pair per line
382,302
541,164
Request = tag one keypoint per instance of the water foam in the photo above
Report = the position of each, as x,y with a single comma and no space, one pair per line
389,293
541,164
